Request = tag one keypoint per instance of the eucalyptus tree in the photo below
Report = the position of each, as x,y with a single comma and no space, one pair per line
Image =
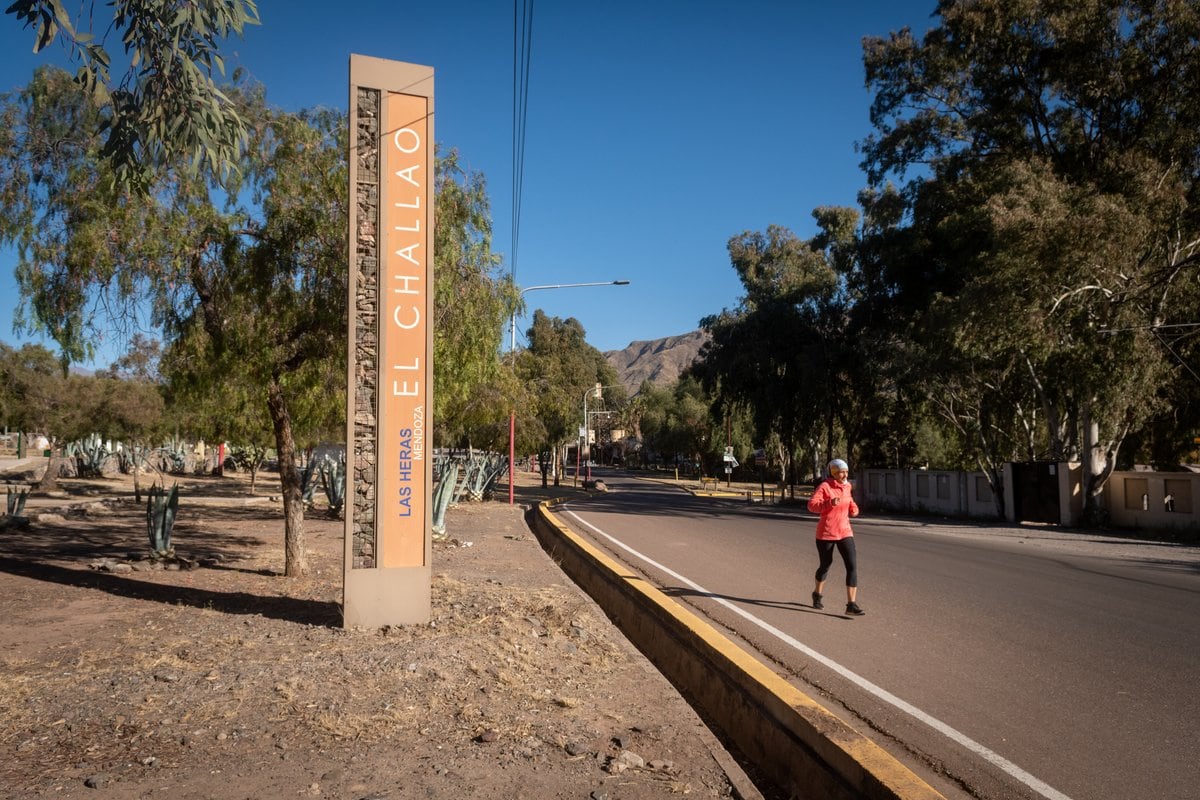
1050,155
559,368
165,108
783,352
679,425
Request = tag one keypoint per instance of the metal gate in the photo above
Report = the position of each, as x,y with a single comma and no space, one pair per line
1035,492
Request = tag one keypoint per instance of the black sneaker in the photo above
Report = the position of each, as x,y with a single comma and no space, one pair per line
817,601
853,610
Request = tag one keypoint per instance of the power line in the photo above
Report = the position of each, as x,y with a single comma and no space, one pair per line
522,53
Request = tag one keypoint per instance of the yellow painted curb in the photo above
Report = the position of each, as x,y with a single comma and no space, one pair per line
790,737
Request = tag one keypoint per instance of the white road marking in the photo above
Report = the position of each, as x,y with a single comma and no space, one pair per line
962,739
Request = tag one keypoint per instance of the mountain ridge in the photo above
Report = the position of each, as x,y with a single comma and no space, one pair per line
660,361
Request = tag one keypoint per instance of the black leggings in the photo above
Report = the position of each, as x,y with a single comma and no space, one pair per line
846,548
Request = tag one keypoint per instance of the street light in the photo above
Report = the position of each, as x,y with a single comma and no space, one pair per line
594,391
512,348
512,342
585,432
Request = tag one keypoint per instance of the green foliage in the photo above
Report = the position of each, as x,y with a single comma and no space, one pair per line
245,457
209,272
84,410
161,507
1053,228
472,299
558,369
127,409
166,107
677,425
32,394
140,361
784,352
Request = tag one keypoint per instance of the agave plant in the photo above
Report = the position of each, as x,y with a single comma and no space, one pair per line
16,502
131,456
447,478
175,454
161,507
308,481
90,453
333,480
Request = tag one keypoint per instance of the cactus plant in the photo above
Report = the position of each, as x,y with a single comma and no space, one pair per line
16,502
333,480
89,453
132,456
174,453
448,477
161,507
308,481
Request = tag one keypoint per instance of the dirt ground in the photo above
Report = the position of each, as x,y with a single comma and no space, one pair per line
228,680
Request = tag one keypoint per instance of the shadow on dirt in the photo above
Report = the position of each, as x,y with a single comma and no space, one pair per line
63,551
305,612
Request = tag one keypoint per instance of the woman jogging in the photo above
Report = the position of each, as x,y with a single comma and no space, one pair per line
834,502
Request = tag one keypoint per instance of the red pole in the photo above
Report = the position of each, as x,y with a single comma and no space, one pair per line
512,431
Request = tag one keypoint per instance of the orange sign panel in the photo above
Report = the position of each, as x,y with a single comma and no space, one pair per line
404,289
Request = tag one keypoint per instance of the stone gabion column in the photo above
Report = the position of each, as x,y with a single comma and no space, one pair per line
366,344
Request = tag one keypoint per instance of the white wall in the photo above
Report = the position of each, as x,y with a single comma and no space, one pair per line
1135,500
1138,500
945,492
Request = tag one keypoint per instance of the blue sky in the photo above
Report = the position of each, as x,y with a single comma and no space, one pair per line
656,130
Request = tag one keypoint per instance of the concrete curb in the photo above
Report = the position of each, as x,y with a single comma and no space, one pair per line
794,741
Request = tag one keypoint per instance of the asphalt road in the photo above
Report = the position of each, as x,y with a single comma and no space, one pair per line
998,662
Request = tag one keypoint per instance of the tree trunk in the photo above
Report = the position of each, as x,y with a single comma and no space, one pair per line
784,458
829,436
49,481
295,555
1098,461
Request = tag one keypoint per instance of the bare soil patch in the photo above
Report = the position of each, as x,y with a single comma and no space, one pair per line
231,681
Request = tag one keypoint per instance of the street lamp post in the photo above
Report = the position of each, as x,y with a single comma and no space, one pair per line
585,432
512,348
594,391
